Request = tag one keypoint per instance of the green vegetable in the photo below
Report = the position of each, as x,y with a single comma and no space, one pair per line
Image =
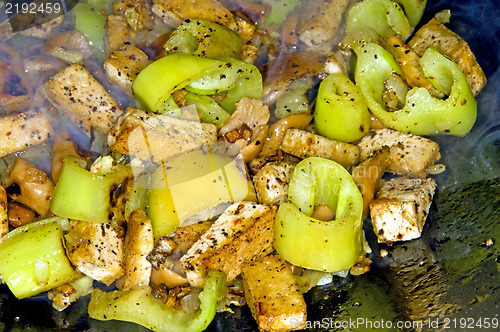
340,112
90,22
280,9
83,195
208,109
414,9
68,56
315,244
204,38
33,258
141,307
294,99
384,16
421,114
155,84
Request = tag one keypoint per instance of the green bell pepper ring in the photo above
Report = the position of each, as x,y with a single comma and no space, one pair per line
204,38
141,307
155,84
315,244
384,16
421,114
340,112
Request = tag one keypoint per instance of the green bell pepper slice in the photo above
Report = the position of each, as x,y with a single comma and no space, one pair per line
208,109
340,112
204,38
83,195
141,307
91,23
155,84
414,9
33,258
421,114
315,244
384,16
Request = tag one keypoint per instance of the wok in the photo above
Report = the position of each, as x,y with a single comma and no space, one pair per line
449,278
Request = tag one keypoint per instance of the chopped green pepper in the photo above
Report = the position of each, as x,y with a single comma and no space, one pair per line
91,23
155,84
141,307
33,258
204,38
208,109
421,114
414,9
83,195
315,244
340,111
384,16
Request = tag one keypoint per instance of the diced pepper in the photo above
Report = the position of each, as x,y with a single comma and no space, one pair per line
384,16
141,307
302,240
204,38
83,195
414,9
91,23
421,114
208,109
155,84
33,258
340,111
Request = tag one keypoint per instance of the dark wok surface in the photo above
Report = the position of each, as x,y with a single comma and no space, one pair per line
448,276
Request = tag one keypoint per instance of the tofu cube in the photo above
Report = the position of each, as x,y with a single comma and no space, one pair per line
273,295
400,208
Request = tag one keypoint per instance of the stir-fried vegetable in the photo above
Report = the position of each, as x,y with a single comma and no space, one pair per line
325,245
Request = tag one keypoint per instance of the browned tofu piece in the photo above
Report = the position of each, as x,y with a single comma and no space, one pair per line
185,236
137,12
273,295
22,130
320,20
303,144
139,242
271,182
4,217
244,232
449,43
117,32
173,12
400,208
123,65
77,94
409,154
96,250
154,137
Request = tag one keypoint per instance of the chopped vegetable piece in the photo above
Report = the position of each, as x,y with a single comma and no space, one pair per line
422,114
33,259
340,111
83,195
141,307
414,9
91,23
204,38
331,245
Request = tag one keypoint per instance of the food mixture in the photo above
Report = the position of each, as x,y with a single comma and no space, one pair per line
193,156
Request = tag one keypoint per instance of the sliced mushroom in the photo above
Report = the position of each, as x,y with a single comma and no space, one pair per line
15,93
30,186
164,275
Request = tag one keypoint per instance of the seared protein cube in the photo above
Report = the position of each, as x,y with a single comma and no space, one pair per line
271,182
244,232
96,250
20,131
303,144
409,155
77,94
273,295
138,244
400,208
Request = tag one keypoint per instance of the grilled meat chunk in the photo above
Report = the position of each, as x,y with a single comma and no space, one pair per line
303,144
400,208
271,182
410,154
76,93
96,250
244,232
273,295
23,130
117,32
